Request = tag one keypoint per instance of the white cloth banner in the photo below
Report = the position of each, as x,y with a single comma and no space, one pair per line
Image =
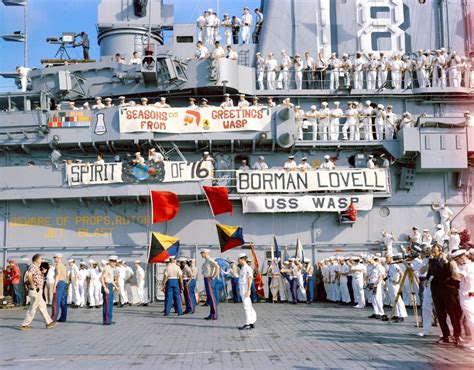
305,203
176,171
282,181
93,174
185,120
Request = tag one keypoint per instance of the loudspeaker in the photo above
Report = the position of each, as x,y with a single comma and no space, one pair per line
407,179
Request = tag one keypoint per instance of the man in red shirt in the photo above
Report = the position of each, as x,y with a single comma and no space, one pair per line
15,276
350,214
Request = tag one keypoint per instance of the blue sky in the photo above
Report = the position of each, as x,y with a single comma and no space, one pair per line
48,18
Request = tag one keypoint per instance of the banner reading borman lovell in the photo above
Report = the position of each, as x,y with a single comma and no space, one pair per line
184,120
281,181
305,203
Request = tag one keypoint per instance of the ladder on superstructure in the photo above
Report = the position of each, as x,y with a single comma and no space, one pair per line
174,148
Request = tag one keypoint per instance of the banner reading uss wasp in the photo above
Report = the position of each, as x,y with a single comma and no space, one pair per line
281,181
184,120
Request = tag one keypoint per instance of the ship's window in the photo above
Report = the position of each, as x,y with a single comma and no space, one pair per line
459,140
381,41
184,39
443,142
379,12
427,142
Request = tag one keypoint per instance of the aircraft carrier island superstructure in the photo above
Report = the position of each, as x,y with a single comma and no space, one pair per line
55,197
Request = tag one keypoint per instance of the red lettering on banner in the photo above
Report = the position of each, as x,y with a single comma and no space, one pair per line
153,125
230,125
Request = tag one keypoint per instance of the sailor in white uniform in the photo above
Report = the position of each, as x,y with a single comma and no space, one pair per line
82,285
140,277
312,118
228,102
245,285
271,65
260,164
290,164
283,76
336,114
394,275
260,64
304,165
376,288
246,25
94,284
324,114
445,213
327,164
358,270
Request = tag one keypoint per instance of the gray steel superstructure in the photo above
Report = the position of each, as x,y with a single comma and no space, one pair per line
41,210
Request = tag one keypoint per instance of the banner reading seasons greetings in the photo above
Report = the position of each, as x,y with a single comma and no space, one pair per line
184,120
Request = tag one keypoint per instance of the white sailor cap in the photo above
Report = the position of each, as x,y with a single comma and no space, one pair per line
324,103
306,260
283,51
103,262
298,107
242,255
86,104
226,95
426,230
246,8
420,50
167,260
144,99
242,95
206,153
205,250
137,261
204,100
313,107
415,227
92,262
439,226
345,55
368,102
291,157
291,259
121,97
336,103
304,159
371,156
210,10
137,153
458,253
71,260
152,150
113,258
327,156
380,106
98,98
82,263
192,99
261,157
254,97
108,99
389,107
438,50
59,255
258,53
163,98
172,257
355,103
225,14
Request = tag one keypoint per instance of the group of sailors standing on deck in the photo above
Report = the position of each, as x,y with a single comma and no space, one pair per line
437,69
235,29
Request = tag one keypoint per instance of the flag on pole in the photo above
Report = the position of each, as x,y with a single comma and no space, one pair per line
229,236
299,253
277,248
258,277
164,205
162,247
218,198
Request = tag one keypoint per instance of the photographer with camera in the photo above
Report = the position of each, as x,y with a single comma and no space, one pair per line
444,289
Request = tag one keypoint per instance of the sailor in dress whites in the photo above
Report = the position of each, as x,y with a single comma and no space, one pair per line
245,283
333,66
380,116
226,23
358,71
140,278
72,277
231,54
192,104
327,164
93,274
304,165
210,271
465,273
173,281
283,76
200,25
371,67
336,114
82,284
290,164
209,26
394,276
396,66
247,20
201,51
312,118
271,65
445,213
260,164
376,288
382,68
98,103
299,119
390,123
228,102
298,66
351,123
358,271
243,103
108,286
324,114
343,273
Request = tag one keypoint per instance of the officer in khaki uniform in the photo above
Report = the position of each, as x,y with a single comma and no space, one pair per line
59,290
210,270
173,281
108,285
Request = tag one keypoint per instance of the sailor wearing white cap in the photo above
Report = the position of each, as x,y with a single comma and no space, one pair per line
333,66
327,164
445,214
245,284
138,160
98,103
226,23
388,239
285,63
192,104
299,121
439,70
304,165
375,285
93,274
260,67
324,118
144,101
420,67
358,270
243,103
371,67
155,156
227,102
271,65
290,164
210,271
394,276
440,235
390,123
367,113
346,69
336,114
200,25
312,121
72,280
454,239
380,117
396,66
465,270
162,103
298,67
140,278
426,238
351,123
209,26
247,21
172,281
260,164
370,162
358,64
382,67
107,281
82,285
454,69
